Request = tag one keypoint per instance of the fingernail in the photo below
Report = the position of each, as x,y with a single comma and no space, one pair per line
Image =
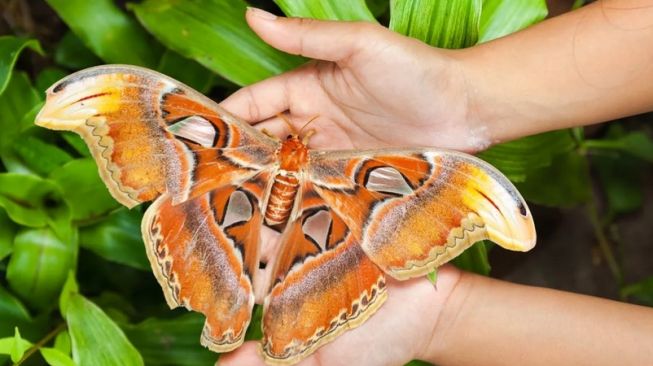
261,13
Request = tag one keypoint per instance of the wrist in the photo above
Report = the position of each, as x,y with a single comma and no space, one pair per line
450,293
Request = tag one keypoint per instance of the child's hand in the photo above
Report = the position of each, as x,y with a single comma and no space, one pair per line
374,88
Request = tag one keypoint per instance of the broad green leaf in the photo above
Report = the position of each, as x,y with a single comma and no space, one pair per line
18,99
73,54
39,156
517,159
474,259
170,341
32,201
39,265
643,291
327,9
444,24
564,183
118,239
502,17
62,342
186,70
96,339
83,190
10,48
47,77
635,143
577,4
215,34
107,31
54,357
7,233
12,312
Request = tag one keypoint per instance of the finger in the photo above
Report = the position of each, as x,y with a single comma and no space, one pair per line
261,100
247,354
318,39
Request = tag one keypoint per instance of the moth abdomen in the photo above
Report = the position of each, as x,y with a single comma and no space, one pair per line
282,196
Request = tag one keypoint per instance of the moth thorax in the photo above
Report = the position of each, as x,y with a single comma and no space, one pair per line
282,196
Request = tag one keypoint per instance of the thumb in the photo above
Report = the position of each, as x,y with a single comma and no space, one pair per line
318,39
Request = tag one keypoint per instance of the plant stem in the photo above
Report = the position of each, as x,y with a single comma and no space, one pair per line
41,343
604,242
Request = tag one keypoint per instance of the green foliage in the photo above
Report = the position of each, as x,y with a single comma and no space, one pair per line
502,17
327,9
55,212
192,29
445,24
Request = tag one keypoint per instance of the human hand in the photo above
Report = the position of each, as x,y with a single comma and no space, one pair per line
370,87
401,330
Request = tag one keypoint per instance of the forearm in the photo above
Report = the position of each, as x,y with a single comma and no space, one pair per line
491,322
591,65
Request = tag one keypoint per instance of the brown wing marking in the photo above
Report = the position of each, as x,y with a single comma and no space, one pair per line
205,263
320,290
450,200
133,121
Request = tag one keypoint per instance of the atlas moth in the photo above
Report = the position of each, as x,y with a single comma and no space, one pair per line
348,219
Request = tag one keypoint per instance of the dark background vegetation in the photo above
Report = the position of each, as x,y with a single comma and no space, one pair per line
590,190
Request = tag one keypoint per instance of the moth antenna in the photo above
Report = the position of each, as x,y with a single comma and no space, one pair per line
285,119
308,123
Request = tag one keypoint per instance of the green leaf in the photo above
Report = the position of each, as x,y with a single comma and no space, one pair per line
118,239
108,31
54,357
642,291
255,331
635,143
62,342
18,99
83,189
327,9
621,180
418,363
39,156
39,265
12,312
186,70
70,288
223,43
502,17
19,347
73,54
474,259
170,341
96,339
10,49
76,143
444,24
433,276
32,201
564,183
7,233
517,159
